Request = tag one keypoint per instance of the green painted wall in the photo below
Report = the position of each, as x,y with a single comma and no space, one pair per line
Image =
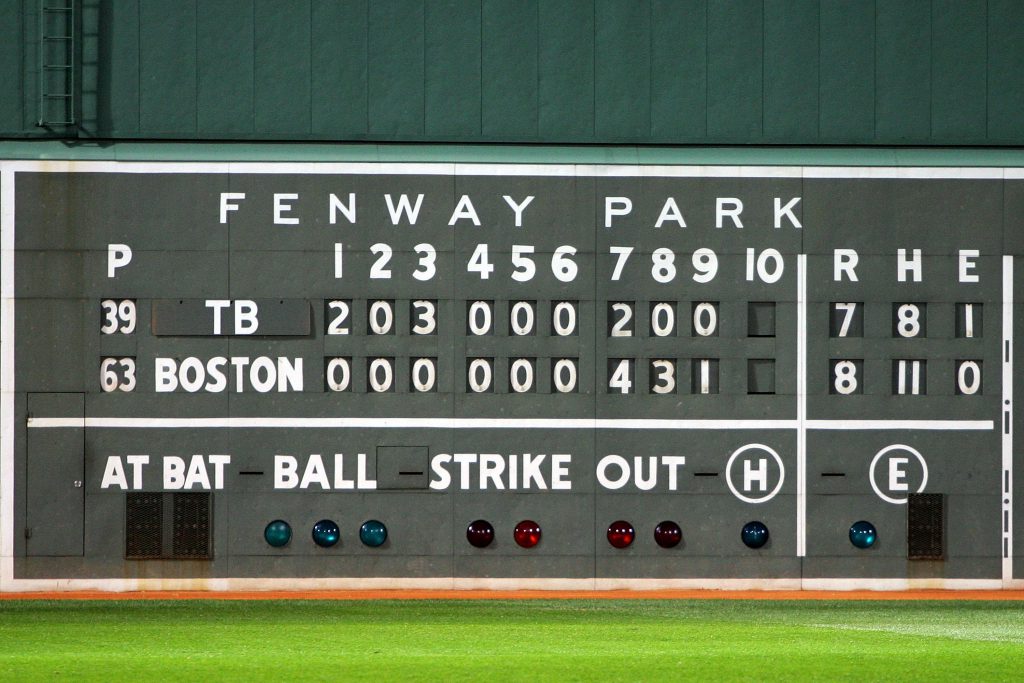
906,72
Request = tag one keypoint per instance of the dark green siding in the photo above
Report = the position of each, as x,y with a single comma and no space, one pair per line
10,66
906,72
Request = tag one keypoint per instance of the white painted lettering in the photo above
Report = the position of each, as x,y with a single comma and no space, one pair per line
404,207
280,208
844,262
174,472
286,472
897,474
217,305
245,317
560,472
602,472
362,480
492,466
670,212
616,206
673,463
227,205
340,482
464,210
967,265
905,265
437,466
218,462
347,210
786,211
760,474
518,208
531,470
118,256
136,462
315,473
728,206
113,474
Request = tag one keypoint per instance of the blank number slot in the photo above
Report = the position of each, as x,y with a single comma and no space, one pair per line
761,319
761,376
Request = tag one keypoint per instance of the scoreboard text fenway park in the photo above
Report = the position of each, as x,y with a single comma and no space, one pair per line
247,375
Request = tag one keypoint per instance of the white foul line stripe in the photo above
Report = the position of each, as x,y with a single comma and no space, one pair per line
486,423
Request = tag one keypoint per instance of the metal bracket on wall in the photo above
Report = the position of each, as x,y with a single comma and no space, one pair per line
56,61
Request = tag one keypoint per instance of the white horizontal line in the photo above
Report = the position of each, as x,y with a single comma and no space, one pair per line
400,423
458,168
499,584
486,423
940,425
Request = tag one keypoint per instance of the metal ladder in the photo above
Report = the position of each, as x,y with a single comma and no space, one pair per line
57,63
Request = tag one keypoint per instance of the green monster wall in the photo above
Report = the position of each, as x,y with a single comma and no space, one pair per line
793,72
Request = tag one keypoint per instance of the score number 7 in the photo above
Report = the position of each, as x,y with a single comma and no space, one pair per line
848,310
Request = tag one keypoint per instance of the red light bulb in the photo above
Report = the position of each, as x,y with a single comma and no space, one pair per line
527,533
621,534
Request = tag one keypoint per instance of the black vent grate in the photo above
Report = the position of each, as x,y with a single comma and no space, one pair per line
143,534
168,526
925,526
191,526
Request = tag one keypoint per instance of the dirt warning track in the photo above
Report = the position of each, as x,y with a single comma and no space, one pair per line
522,595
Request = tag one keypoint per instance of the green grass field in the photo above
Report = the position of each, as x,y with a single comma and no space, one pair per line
636,640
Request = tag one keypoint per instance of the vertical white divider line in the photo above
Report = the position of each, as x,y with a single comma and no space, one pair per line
1006,423
801,405
6,376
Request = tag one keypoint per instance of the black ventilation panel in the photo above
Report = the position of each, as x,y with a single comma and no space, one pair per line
925,526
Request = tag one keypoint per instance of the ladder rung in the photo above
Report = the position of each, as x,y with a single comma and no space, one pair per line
56,97
57,66
57,123
58,37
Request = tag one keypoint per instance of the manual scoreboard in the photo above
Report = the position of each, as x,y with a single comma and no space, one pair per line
507,375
